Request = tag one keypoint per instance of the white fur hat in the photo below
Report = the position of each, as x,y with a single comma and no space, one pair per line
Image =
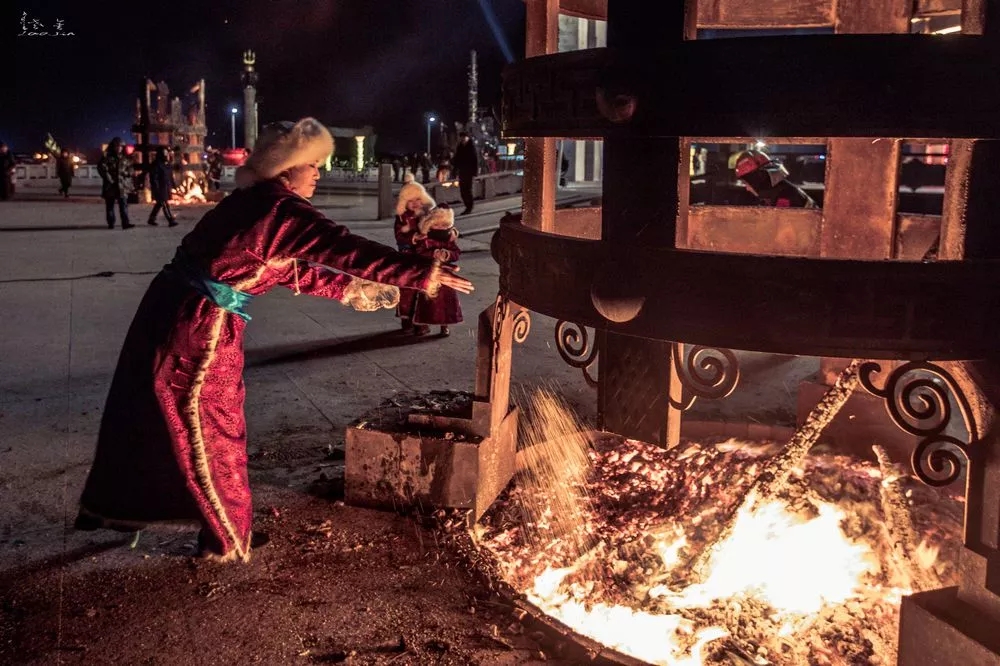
412,190
282,146
439,218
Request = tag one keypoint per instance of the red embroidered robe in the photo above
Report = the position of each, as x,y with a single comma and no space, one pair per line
172,443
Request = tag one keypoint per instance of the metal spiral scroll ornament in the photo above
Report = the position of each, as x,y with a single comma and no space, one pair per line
707,372
576,348
499,314
921,406
522,326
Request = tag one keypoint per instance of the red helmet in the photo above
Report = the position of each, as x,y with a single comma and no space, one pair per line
749,161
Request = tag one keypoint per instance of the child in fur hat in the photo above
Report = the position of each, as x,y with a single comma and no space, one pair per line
412,205
435,239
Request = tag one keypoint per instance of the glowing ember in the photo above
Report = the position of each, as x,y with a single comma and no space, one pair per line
811,577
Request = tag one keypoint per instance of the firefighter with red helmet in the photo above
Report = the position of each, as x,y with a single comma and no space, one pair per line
767,179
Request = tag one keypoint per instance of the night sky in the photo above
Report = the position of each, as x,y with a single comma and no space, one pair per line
347,62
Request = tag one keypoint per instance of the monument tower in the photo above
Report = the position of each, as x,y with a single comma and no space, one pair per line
249,100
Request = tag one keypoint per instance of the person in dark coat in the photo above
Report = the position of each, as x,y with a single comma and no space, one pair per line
425,168
435,240
173,438
116,182
466,163
6,173
767,179
161,186
64,169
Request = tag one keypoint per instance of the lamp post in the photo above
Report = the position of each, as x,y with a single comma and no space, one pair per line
430,119
232,117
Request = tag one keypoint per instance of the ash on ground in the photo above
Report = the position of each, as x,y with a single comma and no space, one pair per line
393,414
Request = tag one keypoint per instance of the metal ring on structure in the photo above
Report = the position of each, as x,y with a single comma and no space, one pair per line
522,326
575,347
707,372
922,406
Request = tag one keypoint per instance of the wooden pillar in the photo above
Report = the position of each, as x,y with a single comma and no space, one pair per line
540,168
636,375
969,231
862,175
493,362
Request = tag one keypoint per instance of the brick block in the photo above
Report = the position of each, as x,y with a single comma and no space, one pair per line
421,468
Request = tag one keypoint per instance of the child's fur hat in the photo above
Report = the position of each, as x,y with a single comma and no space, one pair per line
441,218
412,190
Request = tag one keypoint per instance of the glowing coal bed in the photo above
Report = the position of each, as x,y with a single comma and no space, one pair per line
813,576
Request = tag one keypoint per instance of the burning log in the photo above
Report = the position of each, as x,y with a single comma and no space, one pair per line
899,525
775,476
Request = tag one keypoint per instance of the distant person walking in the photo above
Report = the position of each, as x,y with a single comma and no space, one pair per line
444,167
64,169
467,165
6,173
161,186
116,182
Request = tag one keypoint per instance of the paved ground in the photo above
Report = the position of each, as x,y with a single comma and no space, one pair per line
313,366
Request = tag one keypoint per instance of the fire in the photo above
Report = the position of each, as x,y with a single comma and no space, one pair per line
188,191
813,575
773,555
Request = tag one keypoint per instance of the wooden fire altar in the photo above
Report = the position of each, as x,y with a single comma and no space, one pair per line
669,290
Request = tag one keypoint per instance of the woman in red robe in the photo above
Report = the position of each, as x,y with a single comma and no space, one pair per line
412,205
172,443
435,240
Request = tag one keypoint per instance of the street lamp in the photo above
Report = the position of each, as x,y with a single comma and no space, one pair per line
430,119
232,117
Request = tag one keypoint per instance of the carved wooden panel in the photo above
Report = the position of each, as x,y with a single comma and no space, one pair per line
579,222
754,230
762,15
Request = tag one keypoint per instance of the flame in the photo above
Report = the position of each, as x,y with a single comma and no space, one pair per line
189,191
773,555
797,578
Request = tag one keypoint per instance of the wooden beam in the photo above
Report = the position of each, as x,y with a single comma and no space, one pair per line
579,222
927,8
859,202
640,207
916,235
540,168
971,199
793,232
791,305
867,17
732,14
886,85
595,10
